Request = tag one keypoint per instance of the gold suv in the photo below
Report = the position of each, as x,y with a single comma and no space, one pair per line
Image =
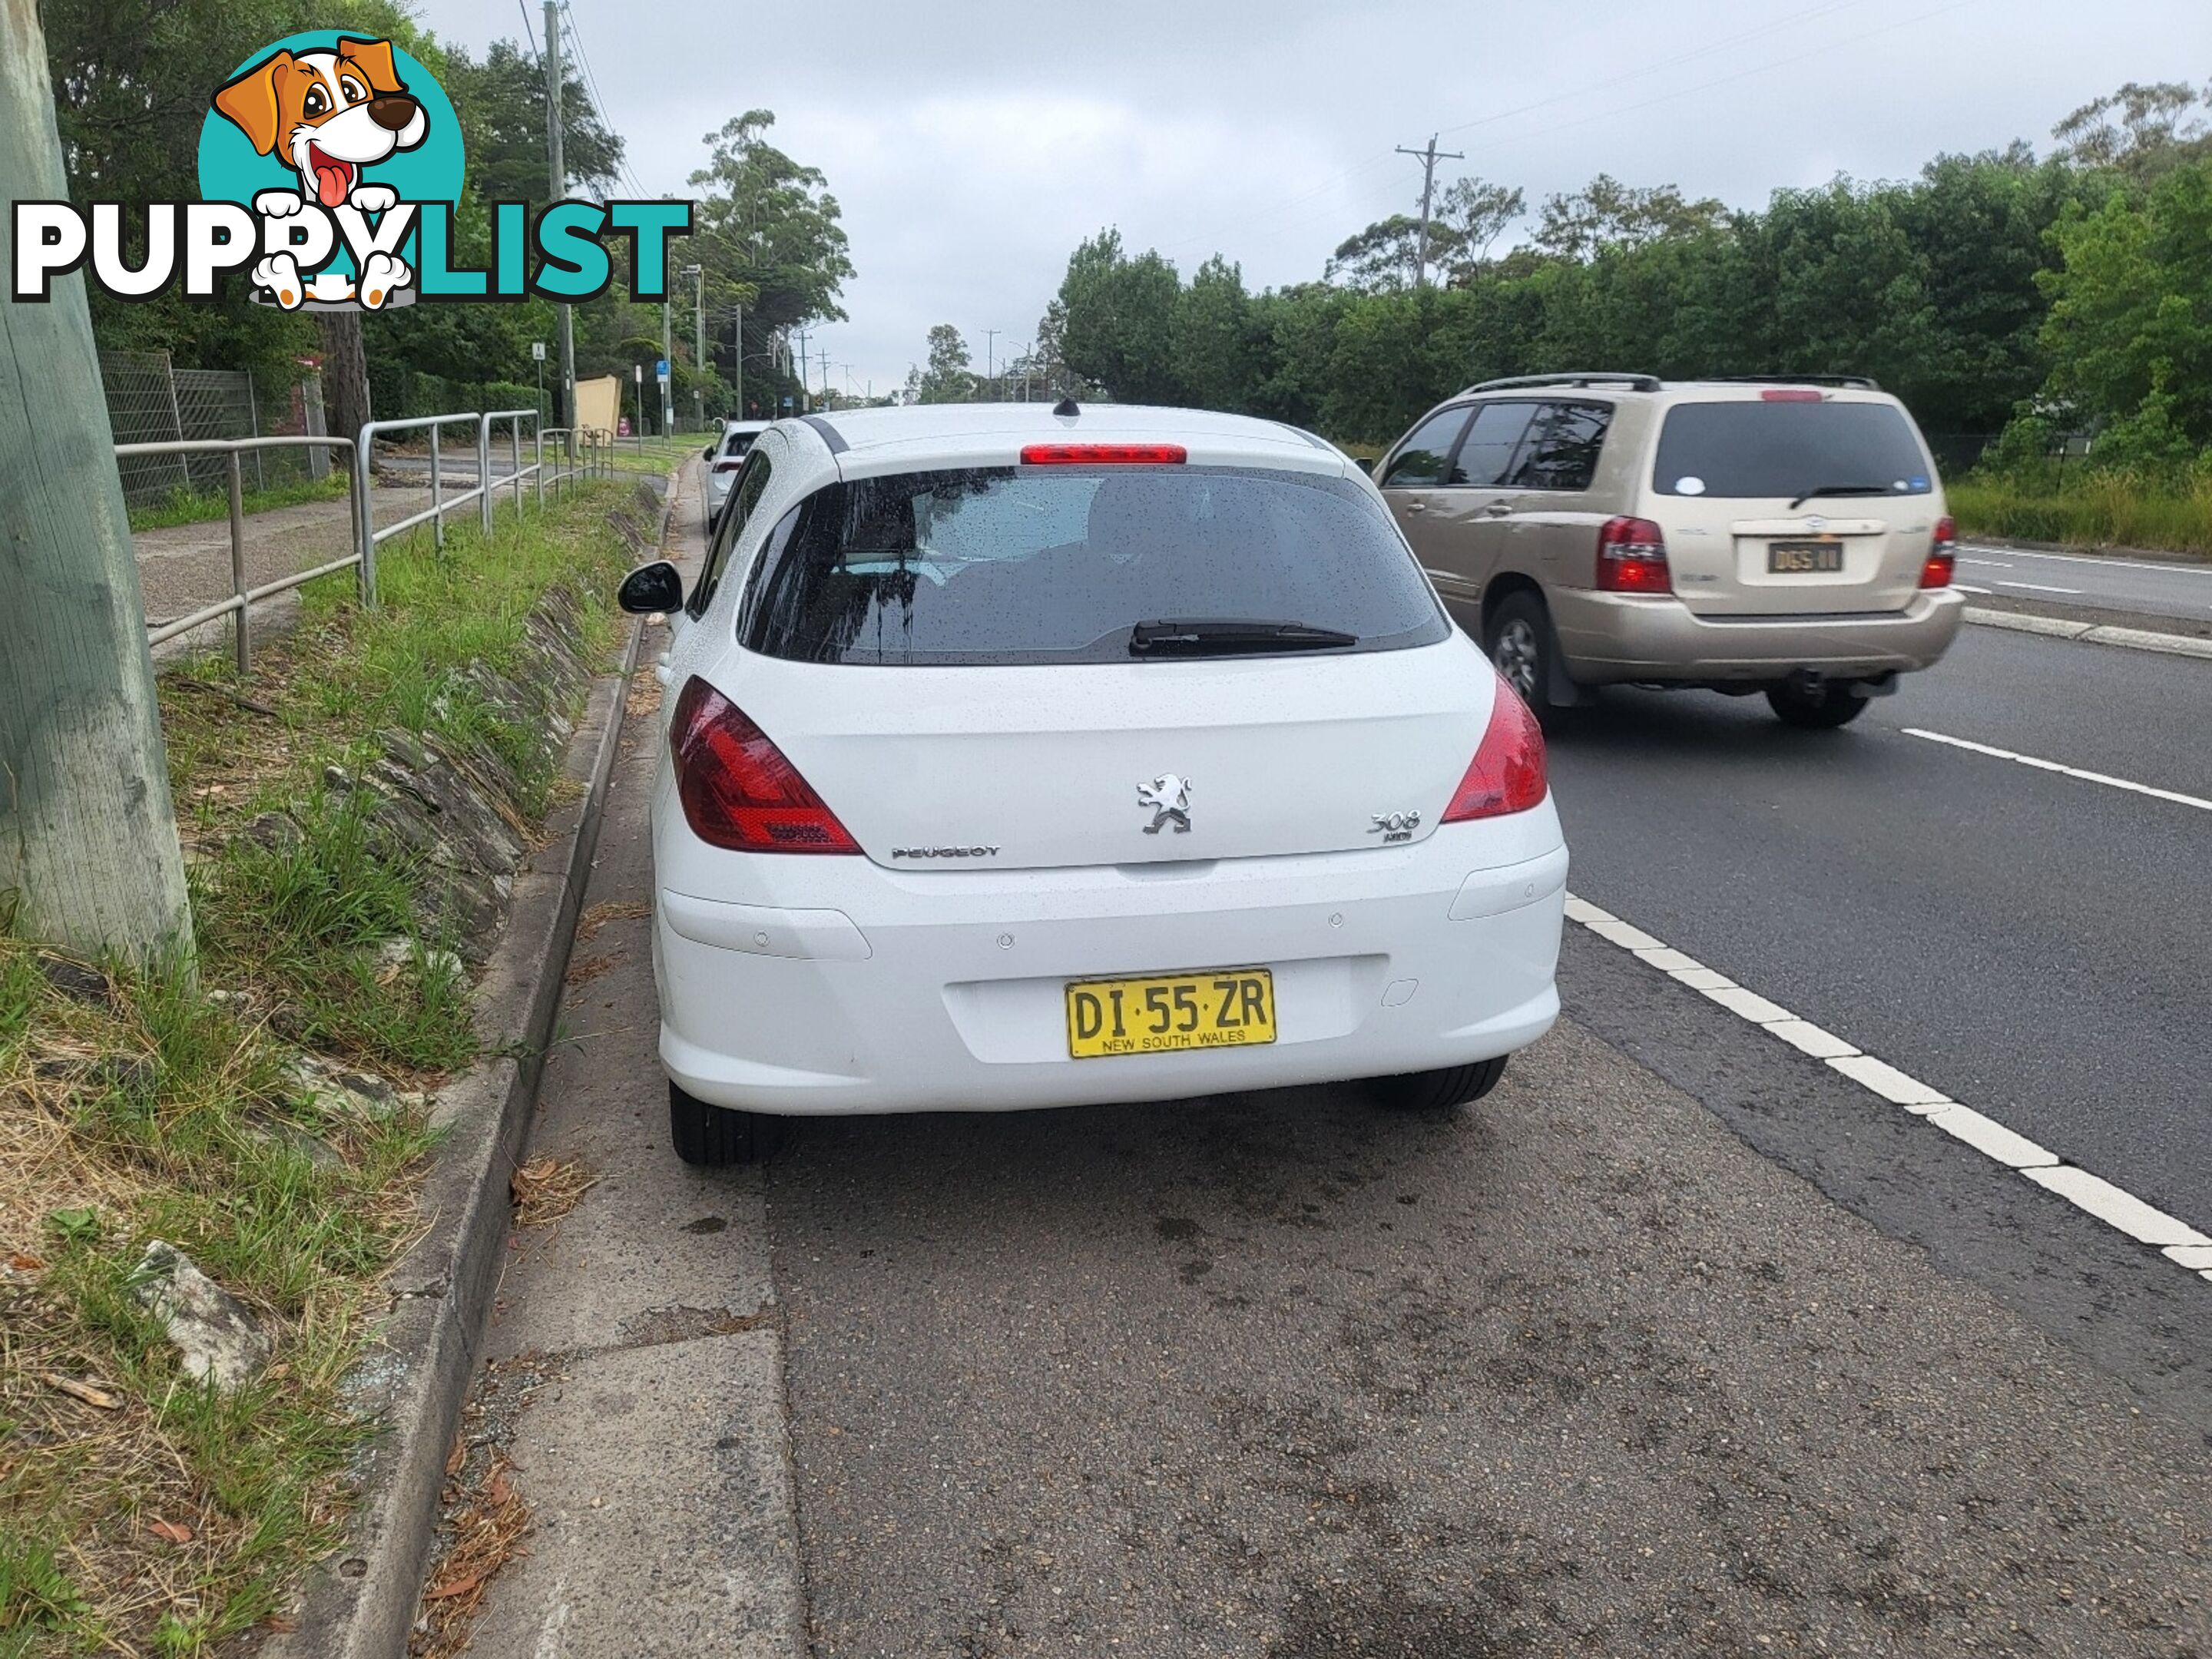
1788,537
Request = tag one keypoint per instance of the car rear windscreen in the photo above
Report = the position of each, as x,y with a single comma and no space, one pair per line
1766,449
1007,565
737,443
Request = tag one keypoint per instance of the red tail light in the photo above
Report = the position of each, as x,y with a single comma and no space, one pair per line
1631,557
1942,555
729,464
736,788
1508,772
1104,455
1791,395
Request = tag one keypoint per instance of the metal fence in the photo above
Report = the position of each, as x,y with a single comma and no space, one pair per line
232,459
176,421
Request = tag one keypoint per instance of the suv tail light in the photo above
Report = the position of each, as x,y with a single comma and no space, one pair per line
1631,557
1942,555
736,788
1104,455
1508,772
729,463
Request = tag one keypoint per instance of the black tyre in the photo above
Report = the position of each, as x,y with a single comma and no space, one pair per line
1820,709
710,1137
1436,1092
1518,637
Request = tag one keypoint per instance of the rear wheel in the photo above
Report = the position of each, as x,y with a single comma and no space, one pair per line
1519,639
1819,707
1436,1091
709,1137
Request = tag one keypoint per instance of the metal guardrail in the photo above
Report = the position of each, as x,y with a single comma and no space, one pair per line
571,459
242,599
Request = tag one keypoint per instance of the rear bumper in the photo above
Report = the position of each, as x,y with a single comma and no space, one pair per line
1606,638
945,991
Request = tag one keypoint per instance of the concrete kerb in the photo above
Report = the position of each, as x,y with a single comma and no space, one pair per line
2066,627
361,1603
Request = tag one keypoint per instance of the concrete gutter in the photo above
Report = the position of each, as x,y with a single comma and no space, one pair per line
2066,628
361,1603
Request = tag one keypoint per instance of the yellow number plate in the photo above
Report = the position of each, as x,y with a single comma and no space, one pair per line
1228,1008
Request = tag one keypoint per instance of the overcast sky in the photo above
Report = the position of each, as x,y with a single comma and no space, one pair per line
972,145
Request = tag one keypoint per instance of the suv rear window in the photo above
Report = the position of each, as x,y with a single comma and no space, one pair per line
1005,565
1765,449
737,443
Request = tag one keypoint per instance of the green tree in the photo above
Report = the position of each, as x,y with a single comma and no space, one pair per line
1210,336
502,104
948,379
1607,214
1120,315
1467,220
2141,130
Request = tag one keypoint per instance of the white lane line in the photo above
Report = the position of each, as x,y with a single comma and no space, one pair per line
1994,564
2128,784
2176,568
2114,1206
1965,587
2037,588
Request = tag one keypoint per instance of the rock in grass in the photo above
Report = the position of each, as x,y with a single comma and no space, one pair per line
274,832
216,1336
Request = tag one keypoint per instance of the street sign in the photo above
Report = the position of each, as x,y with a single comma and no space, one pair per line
537,350
637,371
660,369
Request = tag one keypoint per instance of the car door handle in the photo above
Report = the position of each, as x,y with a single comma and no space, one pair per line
1498,510
1417,507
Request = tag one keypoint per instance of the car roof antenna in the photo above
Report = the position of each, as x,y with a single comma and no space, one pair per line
1065,408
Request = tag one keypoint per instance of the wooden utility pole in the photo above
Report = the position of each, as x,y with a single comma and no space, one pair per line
88,837
1428,159
557,186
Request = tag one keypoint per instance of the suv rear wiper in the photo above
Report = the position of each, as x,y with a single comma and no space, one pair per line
1839,489
1202,636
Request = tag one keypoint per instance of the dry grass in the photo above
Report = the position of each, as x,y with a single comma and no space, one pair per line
488,1522
545,1190
607,910
644,696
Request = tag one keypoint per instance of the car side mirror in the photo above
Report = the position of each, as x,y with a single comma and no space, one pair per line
651,589
708,453
1364,463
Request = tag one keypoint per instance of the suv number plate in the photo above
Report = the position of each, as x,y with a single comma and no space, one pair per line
1227,1008
1805,558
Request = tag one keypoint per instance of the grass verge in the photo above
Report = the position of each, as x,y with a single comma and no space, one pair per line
197,507
2098,510
140,1511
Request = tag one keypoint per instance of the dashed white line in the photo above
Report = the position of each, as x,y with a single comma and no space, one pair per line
1965,587
2036,587
2110,782
2176,568
2114,1206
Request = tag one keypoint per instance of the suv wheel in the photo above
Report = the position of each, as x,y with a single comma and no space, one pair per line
1436,1091
709,1137
1819,707
1519,639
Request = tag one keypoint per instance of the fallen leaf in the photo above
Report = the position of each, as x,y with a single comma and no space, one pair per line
175,1531
497,1490
450,1587
26,1264
283,1623
456,1457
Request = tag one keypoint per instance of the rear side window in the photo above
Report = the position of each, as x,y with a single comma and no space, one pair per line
752,485
1421,459
1005,565
1764,449
1491,442
737,443
1561,449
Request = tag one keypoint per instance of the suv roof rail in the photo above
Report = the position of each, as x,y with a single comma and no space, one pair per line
1854,382
1589,377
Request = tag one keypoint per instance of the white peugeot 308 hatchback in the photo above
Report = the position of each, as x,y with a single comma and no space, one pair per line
1020,756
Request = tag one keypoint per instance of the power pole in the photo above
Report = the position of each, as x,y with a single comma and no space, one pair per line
738,341
990,358
668,374
557,175
699,323
1428,158
88,855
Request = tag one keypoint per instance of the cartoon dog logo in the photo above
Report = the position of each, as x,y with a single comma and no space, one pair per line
331,114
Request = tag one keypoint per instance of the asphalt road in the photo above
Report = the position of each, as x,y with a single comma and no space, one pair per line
2033,945
2153,587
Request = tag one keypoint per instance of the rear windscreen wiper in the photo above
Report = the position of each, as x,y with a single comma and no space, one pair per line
1839,489
1200,636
